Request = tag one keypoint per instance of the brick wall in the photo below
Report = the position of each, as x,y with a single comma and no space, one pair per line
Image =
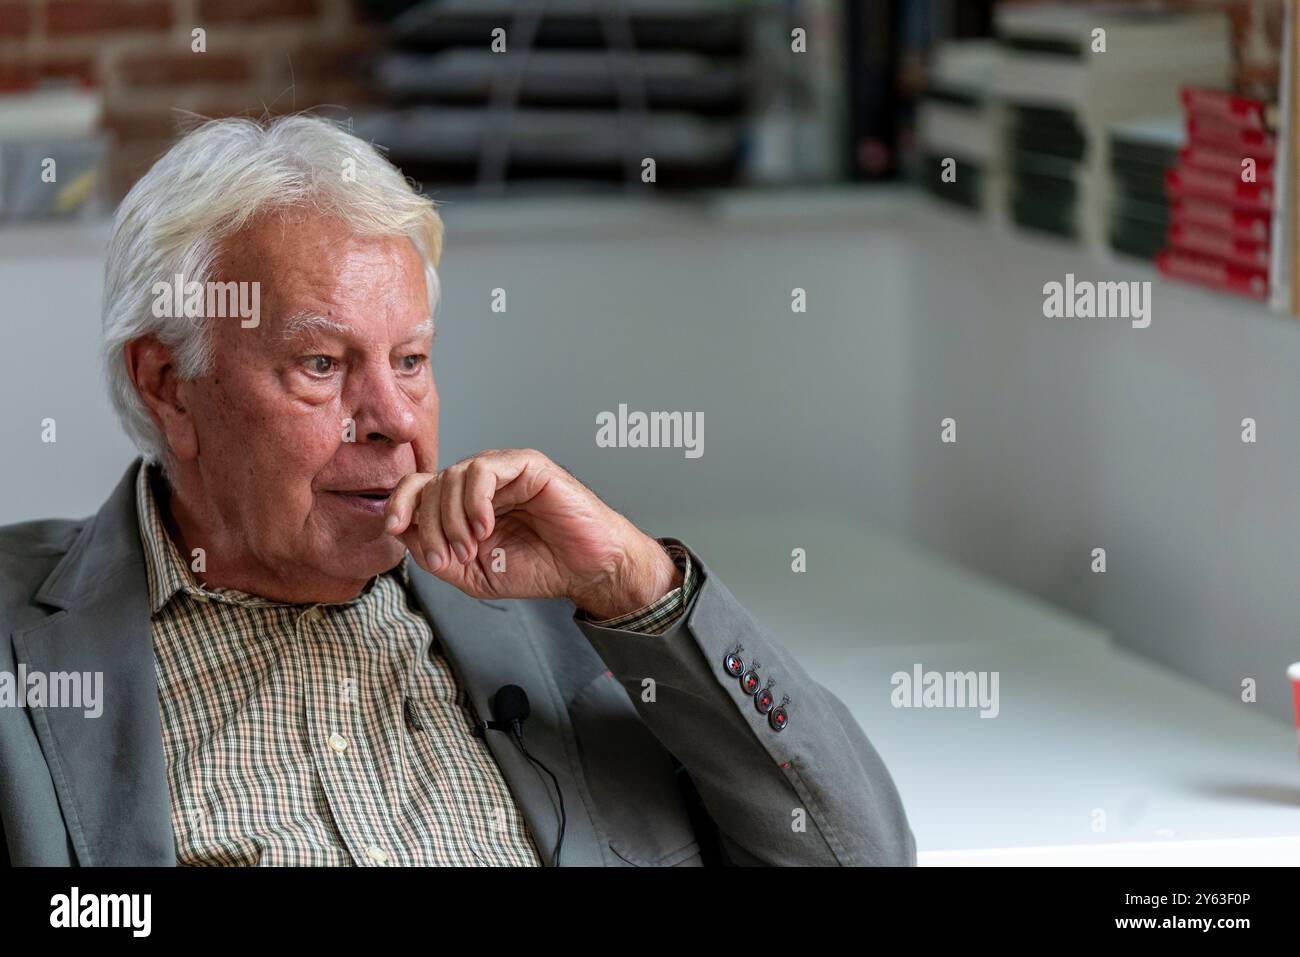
276,55
282,55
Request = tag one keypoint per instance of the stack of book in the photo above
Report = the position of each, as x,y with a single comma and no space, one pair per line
1221,194
1141,153
1069,74
963,153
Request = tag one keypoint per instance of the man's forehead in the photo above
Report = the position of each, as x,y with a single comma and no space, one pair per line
319,278
320,254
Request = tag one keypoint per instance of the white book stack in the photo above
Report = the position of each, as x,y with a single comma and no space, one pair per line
960,127
1069,73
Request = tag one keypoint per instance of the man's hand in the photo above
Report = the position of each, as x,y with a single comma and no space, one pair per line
557,538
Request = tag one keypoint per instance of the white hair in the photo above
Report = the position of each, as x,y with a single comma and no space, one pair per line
203,190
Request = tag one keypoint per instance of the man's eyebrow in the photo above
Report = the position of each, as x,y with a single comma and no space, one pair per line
306,321
423,330
301,322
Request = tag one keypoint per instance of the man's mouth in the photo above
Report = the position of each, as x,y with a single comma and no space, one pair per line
377,494
372,500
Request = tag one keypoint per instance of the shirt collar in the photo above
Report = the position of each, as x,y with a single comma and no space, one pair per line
169,573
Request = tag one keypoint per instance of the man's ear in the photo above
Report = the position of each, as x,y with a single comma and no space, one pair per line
150,365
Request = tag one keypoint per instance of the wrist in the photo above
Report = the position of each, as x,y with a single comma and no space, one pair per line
642,579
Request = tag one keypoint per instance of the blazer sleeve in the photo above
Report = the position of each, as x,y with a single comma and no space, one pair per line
813,793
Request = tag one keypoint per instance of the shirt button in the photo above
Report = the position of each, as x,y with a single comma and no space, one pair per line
338,742
377,854
313,615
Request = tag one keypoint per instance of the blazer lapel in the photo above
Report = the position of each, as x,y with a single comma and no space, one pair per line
489,645
109,771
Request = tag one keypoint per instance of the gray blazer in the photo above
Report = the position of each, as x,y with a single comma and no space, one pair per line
696,777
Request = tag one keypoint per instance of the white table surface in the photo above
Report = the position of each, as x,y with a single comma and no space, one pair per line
862,588
1182,775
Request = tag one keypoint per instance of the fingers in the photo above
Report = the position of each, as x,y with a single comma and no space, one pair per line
465,494
455,526
443,518
402,504
481,484
441,535
515,483
431,542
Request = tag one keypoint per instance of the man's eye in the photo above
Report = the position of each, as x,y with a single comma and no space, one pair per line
411,363
318,365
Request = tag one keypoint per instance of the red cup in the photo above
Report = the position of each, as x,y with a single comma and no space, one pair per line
1293,675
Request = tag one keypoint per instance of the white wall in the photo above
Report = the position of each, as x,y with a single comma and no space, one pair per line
1075,434
692,315
50,283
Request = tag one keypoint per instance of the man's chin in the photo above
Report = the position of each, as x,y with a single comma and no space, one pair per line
365,560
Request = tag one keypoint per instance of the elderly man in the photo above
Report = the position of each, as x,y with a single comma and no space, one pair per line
319,648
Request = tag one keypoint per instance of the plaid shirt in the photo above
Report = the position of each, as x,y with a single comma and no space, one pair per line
329,734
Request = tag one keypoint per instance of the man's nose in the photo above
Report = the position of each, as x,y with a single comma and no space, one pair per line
383,412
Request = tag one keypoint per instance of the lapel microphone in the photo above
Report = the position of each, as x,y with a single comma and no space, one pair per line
509,711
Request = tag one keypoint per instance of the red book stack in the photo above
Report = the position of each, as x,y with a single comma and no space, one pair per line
1221,194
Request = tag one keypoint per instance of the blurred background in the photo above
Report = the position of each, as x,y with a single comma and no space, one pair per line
653,182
